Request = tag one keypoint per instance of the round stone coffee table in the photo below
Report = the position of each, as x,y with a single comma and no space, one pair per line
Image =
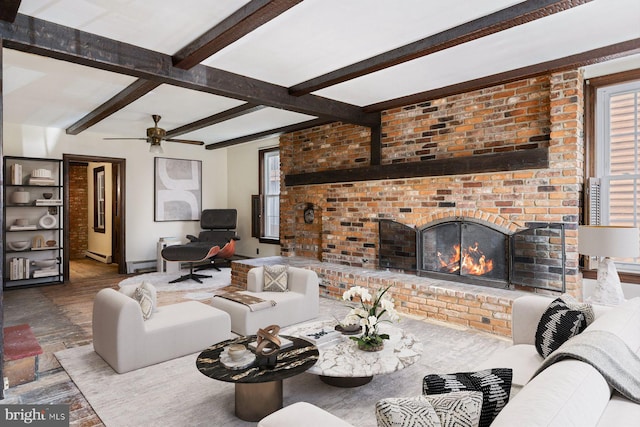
342,364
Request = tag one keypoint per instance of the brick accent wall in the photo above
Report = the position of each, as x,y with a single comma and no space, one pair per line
539,112
79,211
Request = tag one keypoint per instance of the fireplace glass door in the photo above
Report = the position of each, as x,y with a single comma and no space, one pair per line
465,249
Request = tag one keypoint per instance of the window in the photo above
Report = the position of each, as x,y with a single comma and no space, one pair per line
617,153
98,200
270,195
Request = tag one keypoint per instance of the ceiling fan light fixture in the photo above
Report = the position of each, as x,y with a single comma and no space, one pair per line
156,148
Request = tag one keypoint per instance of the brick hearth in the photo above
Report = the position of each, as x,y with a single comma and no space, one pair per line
478,307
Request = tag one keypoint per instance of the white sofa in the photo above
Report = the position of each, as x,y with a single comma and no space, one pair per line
126,341
567,393
299,304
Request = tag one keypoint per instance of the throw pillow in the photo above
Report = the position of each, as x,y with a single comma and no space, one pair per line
456,409
143,296
557,324
495,385
275,278
406,411
129,290
585,308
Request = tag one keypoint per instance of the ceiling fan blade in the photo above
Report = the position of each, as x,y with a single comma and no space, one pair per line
137,139
185,141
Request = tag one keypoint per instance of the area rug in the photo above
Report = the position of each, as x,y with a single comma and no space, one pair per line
218,279
175,393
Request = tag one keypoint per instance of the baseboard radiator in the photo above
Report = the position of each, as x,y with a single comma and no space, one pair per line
99,257
141,266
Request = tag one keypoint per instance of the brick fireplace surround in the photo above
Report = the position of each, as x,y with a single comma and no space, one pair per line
341,244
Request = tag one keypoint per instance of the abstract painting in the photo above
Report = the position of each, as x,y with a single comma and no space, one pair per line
178,189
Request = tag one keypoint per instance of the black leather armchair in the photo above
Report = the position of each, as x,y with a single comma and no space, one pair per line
215,242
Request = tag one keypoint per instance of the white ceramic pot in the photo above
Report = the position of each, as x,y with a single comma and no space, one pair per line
20,197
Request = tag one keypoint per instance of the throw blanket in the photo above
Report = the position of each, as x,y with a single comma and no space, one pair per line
608,354
254,303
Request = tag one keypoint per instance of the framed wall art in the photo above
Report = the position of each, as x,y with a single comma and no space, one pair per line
178,189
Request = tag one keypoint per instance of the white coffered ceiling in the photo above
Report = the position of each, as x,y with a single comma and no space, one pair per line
310,39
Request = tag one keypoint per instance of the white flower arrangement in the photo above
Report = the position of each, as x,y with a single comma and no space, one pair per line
370,314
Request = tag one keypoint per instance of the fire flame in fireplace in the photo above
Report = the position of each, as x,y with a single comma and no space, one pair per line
474,262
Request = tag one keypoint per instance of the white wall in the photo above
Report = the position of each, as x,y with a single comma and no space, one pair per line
142,233
243,182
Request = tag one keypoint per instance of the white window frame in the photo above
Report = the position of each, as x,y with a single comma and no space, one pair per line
270,215
602,160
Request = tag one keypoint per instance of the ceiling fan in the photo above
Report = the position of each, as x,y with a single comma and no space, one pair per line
155,135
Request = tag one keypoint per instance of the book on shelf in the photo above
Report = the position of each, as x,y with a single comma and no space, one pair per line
46,272
19,268
42,181
16,174
48,202
22,227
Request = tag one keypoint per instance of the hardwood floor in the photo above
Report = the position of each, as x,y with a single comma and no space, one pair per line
60,317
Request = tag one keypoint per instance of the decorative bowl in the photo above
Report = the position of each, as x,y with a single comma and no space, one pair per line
47,195
44,263
19,245
51,243
21,222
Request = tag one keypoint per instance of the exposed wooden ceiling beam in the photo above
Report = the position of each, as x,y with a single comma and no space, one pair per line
238,24
9,10
135,90
267,133
583,59
241,22
232,113
518,14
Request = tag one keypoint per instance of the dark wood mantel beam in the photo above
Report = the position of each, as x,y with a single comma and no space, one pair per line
244,20
607,53
9,10
232,113
240,23
515,15
537,158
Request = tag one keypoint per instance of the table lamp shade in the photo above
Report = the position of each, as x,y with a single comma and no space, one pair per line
605,241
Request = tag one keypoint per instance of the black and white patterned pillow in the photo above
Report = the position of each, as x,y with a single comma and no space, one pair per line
495,385
585,308
275,278
457,409
557,324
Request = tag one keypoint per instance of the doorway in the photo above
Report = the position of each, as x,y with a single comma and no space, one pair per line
102,218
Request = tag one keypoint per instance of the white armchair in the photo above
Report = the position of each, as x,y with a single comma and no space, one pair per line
297,305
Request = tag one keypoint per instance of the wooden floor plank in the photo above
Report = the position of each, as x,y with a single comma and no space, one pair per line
60,317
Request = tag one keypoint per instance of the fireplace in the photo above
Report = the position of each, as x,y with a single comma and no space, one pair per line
465,249
472,251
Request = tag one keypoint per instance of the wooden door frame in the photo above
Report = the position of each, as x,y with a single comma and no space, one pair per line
119,204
